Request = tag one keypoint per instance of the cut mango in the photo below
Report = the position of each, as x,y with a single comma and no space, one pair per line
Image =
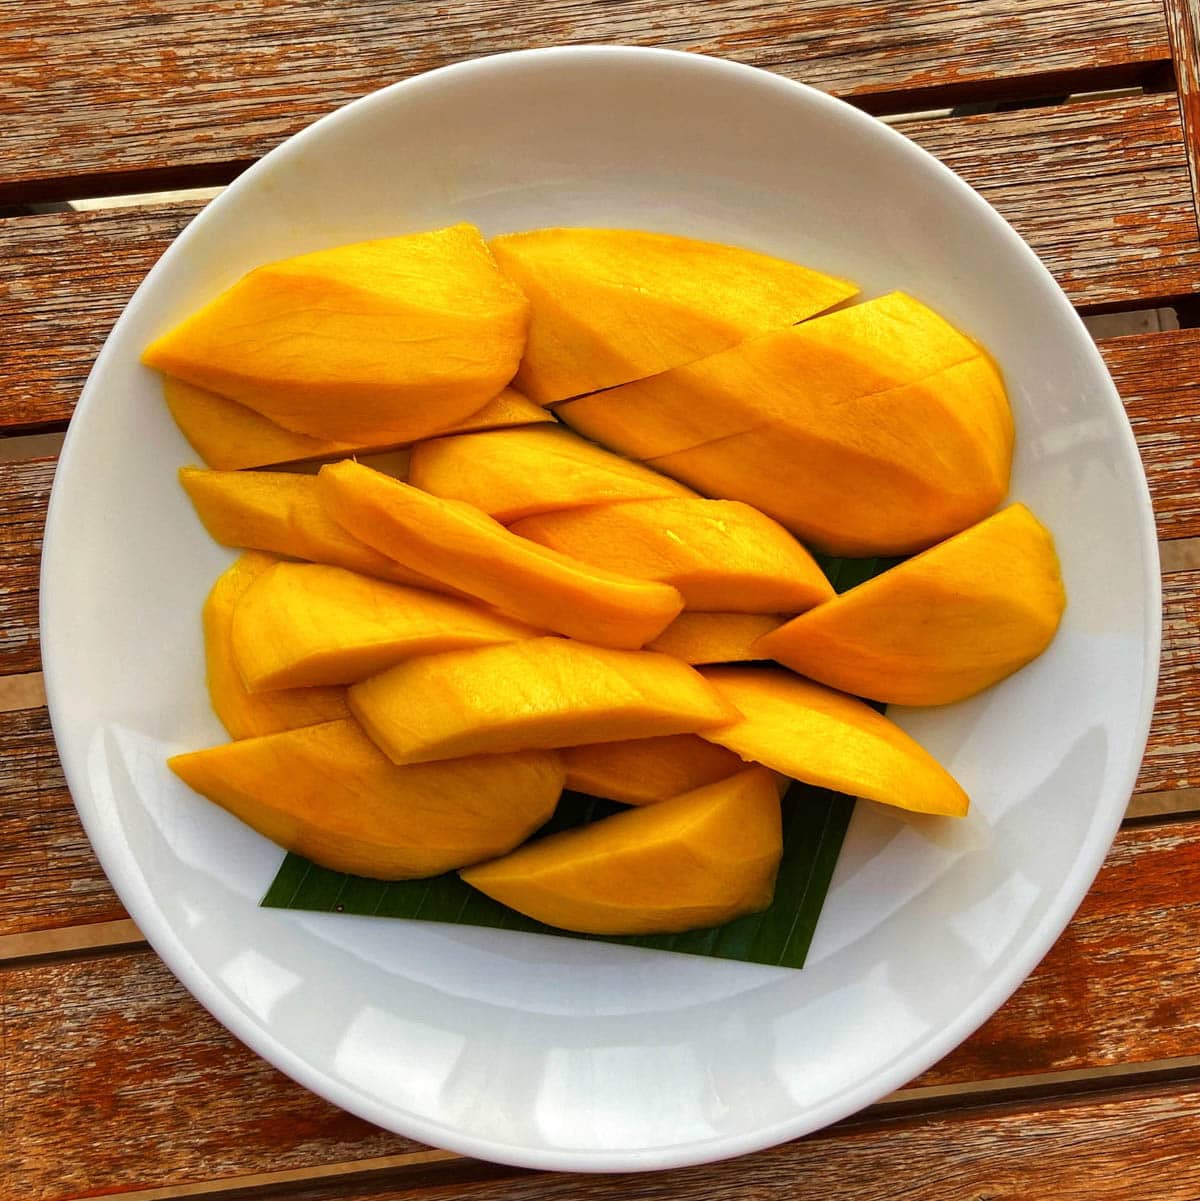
542,692
822,737
641,771
613,305
941,626
513,473
327,793
390,340
304,624
468,550
698,638
723,556
243,714
696,860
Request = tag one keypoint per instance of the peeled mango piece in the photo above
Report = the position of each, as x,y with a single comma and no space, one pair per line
938,627
542,692
304,624
698,638
229,436
327,793
242,713
822,737
696,860
466,549
513,473
641,771
722,555
613,305
877,429
389,340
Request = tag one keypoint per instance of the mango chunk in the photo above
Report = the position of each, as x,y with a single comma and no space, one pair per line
327,793
388,340
822,737
941,626
696,860
699,638
305,624
877,429
722,555
641,771
466,549
242,713
542,692
511,474
613,305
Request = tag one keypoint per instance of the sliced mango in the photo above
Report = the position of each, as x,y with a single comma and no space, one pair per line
542,692
613,305
244,714
641,771
389,340
698,638
304,624
468,550
822,737
513,473
696,860
327,793
941,626
723,556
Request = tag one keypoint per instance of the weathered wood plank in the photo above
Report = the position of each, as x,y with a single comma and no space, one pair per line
1183,26
24,493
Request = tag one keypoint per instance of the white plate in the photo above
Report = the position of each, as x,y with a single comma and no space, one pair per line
552,1052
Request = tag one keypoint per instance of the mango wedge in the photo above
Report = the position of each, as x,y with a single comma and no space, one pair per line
244,714
699,638
327,793
941,626
642,771
696,860
542,692
305,624
822,737
613,305
466,549
389,340
513,473
723,556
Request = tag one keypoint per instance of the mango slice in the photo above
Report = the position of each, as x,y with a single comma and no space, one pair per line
722,555
304,624
826,738
466,549
641,771
699,638
696,860
878,429
542,692
389,340
228,436
513,473
326,792
613,305
242,713
941,626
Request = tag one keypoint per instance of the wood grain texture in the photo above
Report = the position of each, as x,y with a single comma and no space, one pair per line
24,492
103,91
1183,26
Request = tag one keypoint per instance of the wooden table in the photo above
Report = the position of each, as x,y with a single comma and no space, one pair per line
1087,1084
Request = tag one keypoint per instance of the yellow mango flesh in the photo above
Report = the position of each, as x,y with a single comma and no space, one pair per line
941,626
242,713
641,771
327,793
878,429
306,624
612,305
541,692
723,556
511,474
822,737
699,638
228,436
466,549
389,340
696,860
